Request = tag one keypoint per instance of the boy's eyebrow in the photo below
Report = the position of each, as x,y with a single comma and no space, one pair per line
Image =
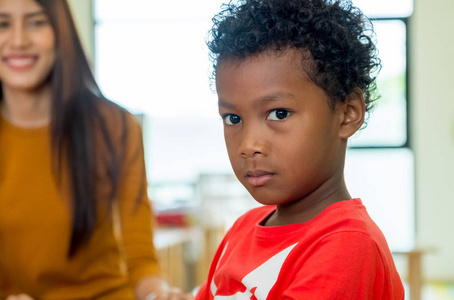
275,96
225,104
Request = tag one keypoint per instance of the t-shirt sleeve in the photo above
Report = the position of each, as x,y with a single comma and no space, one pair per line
136,216
344,265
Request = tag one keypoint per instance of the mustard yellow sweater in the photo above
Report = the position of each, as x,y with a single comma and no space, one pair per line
35,226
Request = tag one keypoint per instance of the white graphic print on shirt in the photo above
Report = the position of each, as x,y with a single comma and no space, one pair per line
260,281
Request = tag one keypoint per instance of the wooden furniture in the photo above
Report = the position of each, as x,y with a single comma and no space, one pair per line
212,237
185,254
172,246
415,273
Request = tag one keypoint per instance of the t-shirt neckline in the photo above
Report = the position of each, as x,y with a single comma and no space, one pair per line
284,230
16,130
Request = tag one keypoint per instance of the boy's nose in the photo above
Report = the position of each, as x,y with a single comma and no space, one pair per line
252,144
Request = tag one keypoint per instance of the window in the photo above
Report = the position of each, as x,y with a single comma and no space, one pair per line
151,58
379,165
387,125
160,67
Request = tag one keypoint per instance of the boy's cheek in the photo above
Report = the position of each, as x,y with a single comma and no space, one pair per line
234,161
231,145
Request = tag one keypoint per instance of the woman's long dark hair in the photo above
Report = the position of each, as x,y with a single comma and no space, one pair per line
78,126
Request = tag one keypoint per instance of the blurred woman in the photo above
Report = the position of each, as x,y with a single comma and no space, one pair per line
75,219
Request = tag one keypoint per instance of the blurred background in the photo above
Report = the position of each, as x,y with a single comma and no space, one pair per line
150,57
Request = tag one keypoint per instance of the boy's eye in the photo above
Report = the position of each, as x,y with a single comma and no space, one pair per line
231,119
278,114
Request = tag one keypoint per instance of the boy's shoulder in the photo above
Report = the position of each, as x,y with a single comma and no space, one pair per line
343,225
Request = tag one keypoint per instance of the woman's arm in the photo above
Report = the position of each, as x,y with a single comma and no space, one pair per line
137,222
156,288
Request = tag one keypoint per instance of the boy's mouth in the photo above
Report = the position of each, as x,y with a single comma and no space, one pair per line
258,177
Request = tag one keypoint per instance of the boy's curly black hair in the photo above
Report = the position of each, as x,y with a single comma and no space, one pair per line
337,35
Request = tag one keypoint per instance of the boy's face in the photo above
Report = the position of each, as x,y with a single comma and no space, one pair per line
282,137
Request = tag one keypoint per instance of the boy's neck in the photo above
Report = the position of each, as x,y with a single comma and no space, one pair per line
310,206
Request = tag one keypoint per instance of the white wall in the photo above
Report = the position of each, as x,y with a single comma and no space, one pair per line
432,112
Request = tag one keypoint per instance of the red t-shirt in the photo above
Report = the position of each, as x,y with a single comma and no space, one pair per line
340,254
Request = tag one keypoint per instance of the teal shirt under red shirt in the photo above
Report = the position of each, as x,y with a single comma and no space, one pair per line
340,254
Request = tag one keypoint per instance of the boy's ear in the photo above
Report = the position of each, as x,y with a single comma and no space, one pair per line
352,113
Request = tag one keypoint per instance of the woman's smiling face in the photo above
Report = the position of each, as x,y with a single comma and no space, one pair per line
27,45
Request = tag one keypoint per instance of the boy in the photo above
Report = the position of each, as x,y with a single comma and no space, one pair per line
294,83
